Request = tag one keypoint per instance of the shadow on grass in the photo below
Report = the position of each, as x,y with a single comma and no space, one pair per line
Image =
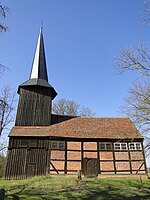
84,190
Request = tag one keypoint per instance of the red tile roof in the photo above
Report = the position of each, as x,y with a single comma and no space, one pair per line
83,127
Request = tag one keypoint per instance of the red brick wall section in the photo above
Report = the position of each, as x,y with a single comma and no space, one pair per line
136,155
136,165
121,156
59,165
57,155
90,154
106,156
73,166
122,166
106,166
74,145
90,145
73,155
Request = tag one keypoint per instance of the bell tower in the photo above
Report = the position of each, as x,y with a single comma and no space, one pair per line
36,94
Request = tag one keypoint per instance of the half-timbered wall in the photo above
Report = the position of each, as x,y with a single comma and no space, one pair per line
110,161
31,156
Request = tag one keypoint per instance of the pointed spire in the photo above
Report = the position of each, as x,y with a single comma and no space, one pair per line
39,70
38,75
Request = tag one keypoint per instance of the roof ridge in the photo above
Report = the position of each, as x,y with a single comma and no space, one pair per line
97,117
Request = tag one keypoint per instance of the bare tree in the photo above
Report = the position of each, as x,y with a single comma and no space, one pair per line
137,106
3,11
86,111
67,107
146,13
7,106
134,59
6,102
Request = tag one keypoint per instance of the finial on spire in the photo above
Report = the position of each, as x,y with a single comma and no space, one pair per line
41,25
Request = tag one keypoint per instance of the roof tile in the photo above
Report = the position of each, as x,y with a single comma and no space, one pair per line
83,127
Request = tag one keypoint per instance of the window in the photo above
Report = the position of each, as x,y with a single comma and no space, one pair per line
61,145
117,146
54,145
23,143
28,143
131,146
138,146
120,146
108,146
105,146
33,143
58,145
102,146
135,146
124,146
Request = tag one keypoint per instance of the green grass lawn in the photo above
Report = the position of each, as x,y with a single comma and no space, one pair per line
70,188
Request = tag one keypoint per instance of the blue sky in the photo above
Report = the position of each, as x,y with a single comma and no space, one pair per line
81,39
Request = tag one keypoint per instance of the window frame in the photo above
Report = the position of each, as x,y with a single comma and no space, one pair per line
120,146
58,145
28,143
101,143
105,146
135,146
33,143
23,143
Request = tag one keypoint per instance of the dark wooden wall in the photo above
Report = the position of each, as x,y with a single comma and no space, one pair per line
60,118
28,158
34,107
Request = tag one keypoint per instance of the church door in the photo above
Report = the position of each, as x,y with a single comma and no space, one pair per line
90,167
31,167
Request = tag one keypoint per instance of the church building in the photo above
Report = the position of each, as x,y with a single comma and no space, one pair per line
42,143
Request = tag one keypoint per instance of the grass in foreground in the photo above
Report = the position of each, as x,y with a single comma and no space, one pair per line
69,188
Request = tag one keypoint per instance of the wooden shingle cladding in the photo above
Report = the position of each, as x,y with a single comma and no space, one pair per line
34,101
77,154
27,157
